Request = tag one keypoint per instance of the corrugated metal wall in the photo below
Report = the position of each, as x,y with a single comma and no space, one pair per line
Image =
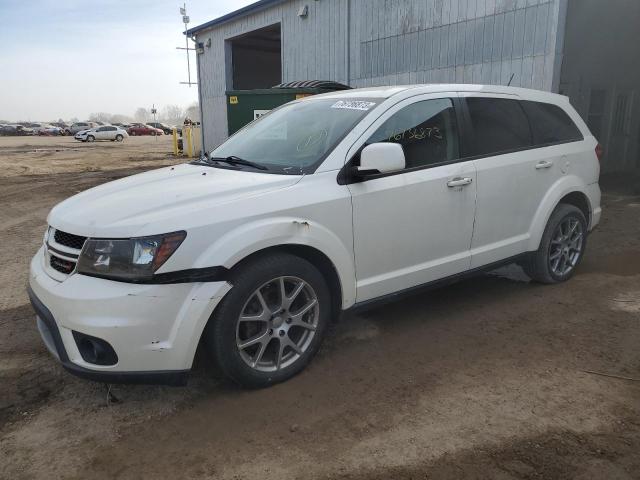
386,42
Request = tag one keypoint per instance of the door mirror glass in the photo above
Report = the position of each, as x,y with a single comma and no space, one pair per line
381,158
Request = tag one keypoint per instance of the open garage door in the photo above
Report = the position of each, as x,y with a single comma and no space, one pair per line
256,59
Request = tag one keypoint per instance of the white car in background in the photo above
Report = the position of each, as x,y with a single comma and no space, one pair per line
106,132
46,129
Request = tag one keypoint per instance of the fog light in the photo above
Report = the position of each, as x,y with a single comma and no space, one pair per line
95,350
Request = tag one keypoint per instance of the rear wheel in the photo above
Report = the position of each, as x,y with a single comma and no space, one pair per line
561,248
119,138
271,323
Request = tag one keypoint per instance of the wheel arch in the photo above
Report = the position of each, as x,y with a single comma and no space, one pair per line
315,257
580,200
569,190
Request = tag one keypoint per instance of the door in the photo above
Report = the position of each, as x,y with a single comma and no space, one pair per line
101,133
415,225
110,133
520,152
621,146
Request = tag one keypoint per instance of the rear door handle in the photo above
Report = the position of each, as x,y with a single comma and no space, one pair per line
459,182
544,164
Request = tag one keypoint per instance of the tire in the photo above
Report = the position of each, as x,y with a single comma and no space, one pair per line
91,138
119,138
268,357
556,249
133,133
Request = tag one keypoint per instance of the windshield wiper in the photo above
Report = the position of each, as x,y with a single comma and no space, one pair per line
233,160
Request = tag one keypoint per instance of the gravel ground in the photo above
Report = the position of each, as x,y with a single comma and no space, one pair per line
487,378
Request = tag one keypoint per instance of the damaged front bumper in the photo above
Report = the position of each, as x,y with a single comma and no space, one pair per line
153,329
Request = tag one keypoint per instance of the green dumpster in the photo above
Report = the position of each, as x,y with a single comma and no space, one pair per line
244,106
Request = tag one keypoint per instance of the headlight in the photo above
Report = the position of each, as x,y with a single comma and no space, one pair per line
133,260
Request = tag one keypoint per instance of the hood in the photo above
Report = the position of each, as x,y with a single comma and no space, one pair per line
159,201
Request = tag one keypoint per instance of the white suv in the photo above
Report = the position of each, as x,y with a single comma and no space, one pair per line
324,204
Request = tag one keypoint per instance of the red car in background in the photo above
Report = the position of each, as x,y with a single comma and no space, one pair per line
141,129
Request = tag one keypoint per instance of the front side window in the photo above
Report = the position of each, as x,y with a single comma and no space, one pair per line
426,130
499,126
296,137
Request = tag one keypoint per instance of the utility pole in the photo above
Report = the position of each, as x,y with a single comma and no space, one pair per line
185,20
154,111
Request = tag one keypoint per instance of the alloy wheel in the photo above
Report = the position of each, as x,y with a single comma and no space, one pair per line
566,246
277,324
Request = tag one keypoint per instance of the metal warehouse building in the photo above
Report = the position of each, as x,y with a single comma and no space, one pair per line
586,49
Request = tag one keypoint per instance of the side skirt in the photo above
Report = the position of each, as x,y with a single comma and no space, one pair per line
395,296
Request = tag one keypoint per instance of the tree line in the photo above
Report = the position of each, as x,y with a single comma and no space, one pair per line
169,114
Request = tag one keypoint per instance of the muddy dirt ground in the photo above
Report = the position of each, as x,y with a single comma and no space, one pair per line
488,378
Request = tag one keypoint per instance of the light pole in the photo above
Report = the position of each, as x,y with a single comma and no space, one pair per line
154,111
185,20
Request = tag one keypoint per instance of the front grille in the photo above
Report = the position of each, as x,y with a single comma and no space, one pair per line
69,240
61,265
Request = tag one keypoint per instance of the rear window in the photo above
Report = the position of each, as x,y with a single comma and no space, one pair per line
551,124
499,126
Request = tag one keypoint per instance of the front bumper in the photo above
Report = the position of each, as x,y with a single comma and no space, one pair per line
154,329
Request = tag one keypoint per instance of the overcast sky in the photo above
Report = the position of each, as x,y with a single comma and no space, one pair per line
69,58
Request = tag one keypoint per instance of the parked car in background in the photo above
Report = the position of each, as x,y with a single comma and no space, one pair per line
162,126
79,126
106,132
51,130
142,129
15,130
42,128
21,130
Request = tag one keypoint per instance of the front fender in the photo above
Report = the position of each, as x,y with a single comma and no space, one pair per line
564,186
252,237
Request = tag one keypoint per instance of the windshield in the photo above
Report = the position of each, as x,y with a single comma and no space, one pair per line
296,137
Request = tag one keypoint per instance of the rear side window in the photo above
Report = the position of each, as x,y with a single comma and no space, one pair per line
499,126
551,124
426,130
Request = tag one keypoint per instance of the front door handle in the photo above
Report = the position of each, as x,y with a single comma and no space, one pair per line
544,164
459,182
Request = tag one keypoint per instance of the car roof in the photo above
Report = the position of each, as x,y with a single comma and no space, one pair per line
410,90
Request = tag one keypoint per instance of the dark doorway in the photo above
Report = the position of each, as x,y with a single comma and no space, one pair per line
256,59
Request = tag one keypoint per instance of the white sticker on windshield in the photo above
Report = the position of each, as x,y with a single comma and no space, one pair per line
353,105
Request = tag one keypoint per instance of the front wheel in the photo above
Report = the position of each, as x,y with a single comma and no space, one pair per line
91,138
271,323
561,248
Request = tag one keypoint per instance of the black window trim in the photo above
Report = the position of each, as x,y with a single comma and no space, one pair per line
465,141
469,133
346,178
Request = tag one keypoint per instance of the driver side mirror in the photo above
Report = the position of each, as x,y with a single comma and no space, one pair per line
381,158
